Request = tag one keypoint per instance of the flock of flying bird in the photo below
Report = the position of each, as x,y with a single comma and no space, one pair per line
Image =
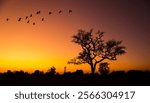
37,13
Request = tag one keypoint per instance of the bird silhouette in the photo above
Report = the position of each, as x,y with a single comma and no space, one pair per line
60,12
19,19
31,15
70,11
33,23
7,19
50,13
28,21
38,12
42,19
26,17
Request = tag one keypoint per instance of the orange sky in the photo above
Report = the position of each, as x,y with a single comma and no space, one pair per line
48,43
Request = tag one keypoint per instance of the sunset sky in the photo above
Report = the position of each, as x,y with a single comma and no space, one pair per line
24,46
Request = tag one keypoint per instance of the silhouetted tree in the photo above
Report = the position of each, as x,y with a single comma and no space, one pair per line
65,69
95,49
103,68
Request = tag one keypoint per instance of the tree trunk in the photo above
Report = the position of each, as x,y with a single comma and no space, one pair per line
92,69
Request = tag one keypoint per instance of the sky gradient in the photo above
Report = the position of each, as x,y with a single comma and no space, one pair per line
24,46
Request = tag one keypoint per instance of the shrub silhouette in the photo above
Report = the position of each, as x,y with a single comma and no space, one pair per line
78,73
37,72
104,69
95,49
52,71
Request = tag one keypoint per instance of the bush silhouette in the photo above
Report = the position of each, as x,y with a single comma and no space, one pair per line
51,71
104,69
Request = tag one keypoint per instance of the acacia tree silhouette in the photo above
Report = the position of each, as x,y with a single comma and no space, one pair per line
95,49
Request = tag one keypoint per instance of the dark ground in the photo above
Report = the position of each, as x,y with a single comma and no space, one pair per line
118,78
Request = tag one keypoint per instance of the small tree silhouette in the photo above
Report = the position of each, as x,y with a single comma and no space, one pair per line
52,71
95,49
103,68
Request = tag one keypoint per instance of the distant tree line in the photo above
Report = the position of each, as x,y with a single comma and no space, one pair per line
51,77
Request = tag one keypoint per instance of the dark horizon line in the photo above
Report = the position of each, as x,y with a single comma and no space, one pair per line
44,72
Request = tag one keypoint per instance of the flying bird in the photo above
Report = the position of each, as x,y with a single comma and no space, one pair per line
60,12
70,11
42,19
28,21
26,17
50,13
31,15
38,12
19,19
7,19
